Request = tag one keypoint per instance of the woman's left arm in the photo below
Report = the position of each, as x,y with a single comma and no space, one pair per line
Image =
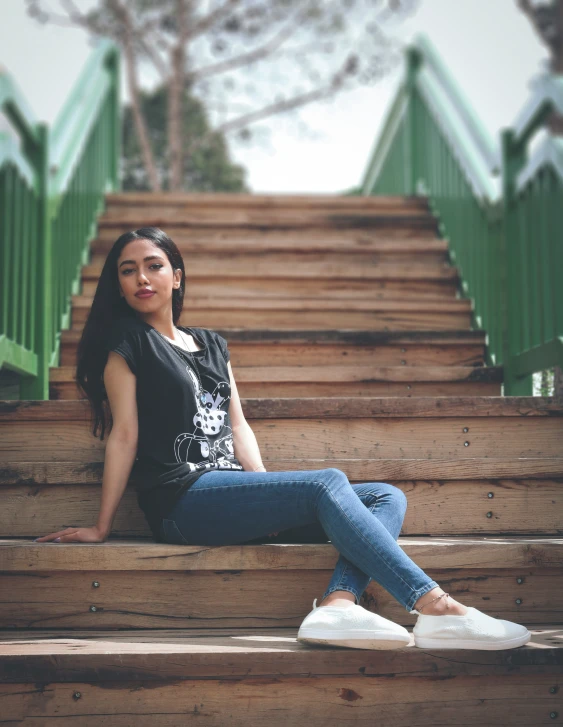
246,447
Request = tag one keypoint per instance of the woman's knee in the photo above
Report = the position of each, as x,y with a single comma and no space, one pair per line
397,495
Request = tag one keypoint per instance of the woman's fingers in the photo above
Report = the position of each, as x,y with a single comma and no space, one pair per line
52,536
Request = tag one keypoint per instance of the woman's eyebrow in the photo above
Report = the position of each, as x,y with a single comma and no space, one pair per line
132,262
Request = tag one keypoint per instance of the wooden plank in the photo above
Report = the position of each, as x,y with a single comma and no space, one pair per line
368,236
340,289
357,470
249,353
307,381
229,598
269,201
161,216
325,305
344,374
257,317
337,267
128,219
273,700
337,438
309,241
36,495
483,552
68,390
463,407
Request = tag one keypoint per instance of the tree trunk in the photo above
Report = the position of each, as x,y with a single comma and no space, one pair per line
133,85
175,102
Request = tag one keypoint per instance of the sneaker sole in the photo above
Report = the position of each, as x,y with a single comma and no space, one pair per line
359,640
481,645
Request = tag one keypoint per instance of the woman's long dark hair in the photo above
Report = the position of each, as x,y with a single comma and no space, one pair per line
107,306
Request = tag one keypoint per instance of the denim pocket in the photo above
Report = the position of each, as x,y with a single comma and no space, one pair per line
171,533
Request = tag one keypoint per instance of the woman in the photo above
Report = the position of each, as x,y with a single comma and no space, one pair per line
177,421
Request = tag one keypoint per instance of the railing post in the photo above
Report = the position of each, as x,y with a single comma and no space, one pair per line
513,159
37,387
414,59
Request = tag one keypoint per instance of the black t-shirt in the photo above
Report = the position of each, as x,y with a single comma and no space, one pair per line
184,426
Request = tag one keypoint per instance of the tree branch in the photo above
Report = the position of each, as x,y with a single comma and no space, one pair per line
326,91
247,58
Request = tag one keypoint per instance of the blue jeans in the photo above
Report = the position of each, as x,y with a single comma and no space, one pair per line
362,522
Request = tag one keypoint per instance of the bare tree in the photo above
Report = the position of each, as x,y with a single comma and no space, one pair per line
546,17
263,57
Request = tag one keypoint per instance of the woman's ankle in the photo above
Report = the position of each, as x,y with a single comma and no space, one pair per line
338,598
446,605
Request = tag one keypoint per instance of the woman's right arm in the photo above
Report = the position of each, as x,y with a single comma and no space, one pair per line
121,447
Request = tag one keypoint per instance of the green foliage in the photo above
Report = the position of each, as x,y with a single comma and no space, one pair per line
207,169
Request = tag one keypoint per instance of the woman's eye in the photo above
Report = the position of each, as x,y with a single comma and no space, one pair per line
157,265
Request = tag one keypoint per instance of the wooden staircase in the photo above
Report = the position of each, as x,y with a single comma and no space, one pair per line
352,349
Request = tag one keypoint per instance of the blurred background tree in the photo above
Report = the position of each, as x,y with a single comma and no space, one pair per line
546,17
208,169
243,60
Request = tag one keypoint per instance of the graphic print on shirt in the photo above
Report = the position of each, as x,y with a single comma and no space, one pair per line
210,445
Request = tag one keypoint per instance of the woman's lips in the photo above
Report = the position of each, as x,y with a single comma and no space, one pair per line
144,295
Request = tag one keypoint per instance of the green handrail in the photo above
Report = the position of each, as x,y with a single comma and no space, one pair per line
505,232
52,187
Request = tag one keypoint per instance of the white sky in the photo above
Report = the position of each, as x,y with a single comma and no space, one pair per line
490,47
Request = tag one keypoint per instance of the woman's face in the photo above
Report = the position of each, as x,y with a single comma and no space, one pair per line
142,266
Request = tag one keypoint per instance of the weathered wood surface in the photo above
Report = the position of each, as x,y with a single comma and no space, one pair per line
327,241
369,438
363,264
161,216
257,316
274,701
108,234
158,655
185,596
345,374
446,408
315,347
482,469
430,288
438,507
66,389
339,380
228,200
135,555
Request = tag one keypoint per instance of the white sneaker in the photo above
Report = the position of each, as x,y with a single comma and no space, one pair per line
351,626
472,630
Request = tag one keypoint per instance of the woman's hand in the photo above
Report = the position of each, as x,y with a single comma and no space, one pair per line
75,535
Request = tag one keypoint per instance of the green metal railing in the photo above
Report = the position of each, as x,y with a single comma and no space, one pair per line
52,187
501,212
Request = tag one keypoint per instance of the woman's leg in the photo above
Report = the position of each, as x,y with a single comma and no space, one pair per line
389,505
228,507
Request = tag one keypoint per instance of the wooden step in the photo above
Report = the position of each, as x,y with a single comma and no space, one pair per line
353,242
313,313
138,584
372,238
388,427
338,380
162,215
430,288
468,465
477,496
264,201
264,347
266,678
362,266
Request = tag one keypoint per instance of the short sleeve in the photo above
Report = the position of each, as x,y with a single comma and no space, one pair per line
223,345
124,340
